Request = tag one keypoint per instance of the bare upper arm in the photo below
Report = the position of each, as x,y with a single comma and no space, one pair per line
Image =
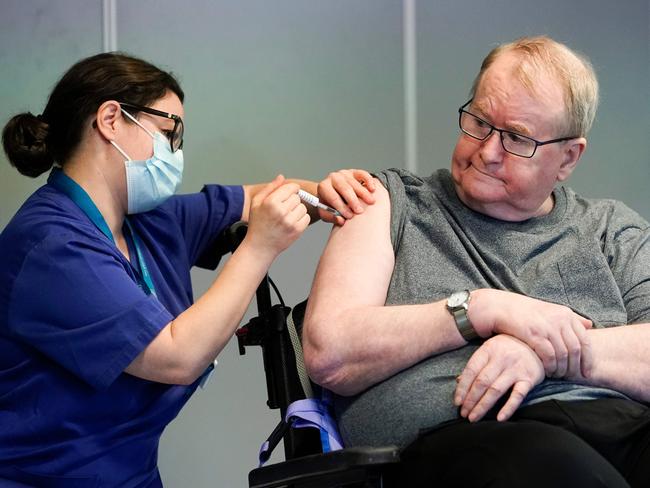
356,266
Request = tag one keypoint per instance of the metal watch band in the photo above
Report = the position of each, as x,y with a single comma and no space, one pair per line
464,325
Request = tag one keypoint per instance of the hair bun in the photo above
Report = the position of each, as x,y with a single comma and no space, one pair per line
24,139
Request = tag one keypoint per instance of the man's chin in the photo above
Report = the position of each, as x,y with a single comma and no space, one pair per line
474,173
482,187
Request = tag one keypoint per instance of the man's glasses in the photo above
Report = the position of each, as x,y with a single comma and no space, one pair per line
511,142
175,136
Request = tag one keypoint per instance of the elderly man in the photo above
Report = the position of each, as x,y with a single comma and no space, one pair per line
496,318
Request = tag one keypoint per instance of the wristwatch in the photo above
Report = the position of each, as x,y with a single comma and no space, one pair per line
457,304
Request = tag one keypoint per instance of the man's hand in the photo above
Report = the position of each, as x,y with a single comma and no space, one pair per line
501,363
344,191
556,333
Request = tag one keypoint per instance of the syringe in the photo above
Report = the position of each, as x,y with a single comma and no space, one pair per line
314,201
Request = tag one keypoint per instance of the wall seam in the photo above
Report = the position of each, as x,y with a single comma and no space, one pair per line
410,85
109,25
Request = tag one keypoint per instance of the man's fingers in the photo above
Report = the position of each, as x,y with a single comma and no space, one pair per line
365,178
546,353
587,324
481,386
561,353
327,216
328,194
519,392
586,351
345,188
345,191
361,192
476,363
364,185
496,390
571,336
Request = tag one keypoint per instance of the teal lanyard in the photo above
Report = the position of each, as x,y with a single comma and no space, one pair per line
62,182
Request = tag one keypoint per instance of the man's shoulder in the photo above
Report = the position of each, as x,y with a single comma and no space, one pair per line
409,178
612,211
401,182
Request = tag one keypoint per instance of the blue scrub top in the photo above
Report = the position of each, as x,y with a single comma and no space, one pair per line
73,317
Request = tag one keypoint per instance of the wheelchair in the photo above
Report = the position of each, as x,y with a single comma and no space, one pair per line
276,330
306,465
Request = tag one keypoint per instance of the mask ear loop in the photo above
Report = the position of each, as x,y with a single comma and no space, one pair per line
126,157
137,122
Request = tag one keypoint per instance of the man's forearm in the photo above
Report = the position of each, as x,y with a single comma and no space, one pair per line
360,347
622,360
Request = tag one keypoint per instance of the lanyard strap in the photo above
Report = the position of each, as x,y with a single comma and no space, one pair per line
62,182
146,276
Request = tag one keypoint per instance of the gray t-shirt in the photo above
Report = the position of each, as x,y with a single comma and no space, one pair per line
591,255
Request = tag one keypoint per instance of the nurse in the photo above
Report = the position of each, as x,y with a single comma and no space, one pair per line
101,342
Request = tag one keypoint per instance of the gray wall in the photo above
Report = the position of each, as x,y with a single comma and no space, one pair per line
304,87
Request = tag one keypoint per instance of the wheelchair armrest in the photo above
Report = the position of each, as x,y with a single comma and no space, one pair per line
335,468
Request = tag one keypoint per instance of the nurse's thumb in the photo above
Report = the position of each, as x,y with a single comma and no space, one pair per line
270,187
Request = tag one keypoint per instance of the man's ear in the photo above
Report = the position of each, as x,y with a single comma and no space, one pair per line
108,118
571,155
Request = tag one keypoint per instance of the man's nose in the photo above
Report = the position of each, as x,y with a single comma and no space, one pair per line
491,148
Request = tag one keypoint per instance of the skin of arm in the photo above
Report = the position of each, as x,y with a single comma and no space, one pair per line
188,344
556,333
343,190
621,360
351,339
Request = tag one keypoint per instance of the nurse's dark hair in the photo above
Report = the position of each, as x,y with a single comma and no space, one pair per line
34,143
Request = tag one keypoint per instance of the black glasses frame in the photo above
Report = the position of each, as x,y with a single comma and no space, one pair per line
176,139
462,110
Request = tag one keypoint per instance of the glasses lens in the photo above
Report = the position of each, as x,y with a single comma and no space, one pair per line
518,144
473,126
177,137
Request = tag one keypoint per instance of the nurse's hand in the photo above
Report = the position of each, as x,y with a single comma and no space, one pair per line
345,190
277,218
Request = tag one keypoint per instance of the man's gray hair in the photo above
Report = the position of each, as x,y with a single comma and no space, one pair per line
543,56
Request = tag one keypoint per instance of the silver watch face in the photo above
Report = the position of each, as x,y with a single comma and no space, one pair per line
457,299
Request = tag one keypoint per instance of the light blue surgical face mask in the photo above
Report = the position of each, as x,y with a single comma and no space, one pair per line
150,182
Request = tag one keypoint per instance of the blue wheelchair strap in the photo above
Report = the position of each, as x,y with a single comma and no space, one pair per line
310,412
315,413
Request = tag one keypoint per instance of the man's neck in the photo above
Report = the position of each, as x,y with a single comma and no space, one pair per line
509,214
